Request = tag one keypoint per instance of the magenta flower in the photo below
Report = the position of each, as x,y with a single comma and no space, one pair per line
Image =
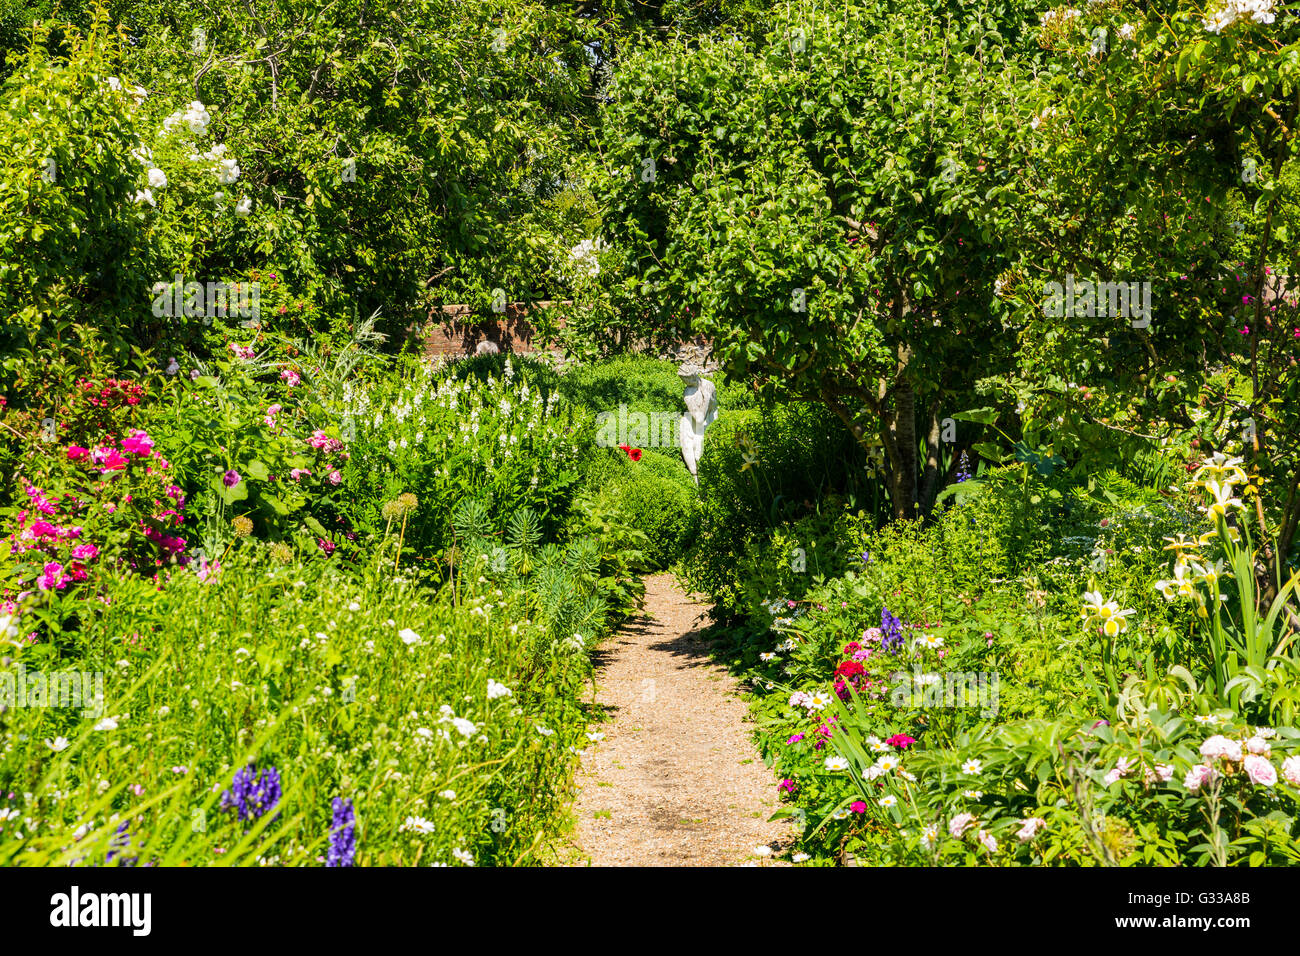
51,577
857,806
77,453
290,377
230,478
138,443
335,478
795,739
787,785
85,552
108,459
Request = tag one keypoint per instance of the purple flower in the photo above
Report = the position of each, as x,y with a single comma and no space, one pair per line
963,468
787,785
230,478
795,739
251,796
120,841
891,632
343,837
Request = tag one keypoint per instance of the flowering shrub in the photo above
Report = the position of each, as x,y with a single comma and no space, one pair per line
500,439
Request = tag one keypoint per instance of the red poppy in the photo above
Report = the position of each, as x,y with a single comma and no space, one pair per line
633,453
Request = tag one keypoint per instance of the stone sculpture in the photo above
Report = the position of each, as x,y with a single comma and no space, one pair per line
701,403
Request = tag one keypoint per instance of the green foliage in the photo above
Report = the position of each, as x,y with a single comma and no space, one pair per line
657,496
336,679
68,234
761,467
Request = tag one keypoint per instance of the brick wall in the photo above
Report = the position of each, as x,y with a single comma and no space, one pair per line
455,330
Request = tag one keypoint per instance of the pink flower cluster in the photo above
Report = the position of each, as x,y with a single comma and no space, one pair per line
1251,756
329,446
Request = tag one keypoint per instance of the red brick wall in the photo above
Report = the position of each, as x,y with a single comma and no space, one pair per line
456,330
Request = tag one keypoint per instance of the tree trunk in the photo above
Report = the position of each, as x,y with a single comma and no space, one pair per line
930,481
899,435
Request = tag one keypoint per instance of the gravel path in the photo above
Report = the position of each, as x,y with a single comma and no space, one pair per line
676,781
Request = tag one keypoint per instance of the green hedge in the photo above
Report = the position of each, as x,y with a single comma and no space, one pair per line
801,454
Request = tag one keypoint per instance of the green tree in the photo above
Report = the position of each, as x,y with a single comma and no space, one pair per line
831,204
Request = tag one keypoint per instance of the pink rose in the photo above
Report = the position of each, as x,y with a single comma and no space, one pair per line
1258,745
138,443
51,576
961,823
1260,771
335,478
1291,770
1029,828
1198,776
1221,746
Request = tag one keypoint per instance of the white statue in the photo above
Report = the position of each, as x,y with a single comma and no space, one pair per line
701,411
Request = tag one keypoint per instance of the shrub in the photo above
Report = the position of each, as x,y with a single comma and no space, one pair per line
656,495
762,467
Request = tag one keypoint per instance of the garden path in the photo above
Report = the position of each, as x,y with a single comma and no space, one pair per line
676,781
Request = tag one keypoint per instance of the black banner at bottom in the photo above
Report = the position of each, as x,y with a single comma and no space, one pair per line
139,906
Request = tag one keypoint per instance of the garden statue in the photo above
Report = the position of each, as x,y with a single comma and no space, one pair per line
701,411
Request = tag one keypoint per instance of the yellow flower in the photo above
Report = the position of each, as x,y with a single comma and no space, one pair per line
1223,499
1220,469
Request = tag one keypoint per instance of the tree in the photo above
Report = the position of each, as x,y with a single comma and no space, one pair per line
831,203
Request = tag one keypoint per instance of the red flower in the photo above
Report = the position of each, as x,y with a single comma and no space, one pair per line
850,669
633,453
901,741
852,647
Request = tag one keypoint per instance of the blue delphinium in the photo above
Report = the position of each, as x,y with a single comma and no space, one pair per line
343,835
251,796
891,632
